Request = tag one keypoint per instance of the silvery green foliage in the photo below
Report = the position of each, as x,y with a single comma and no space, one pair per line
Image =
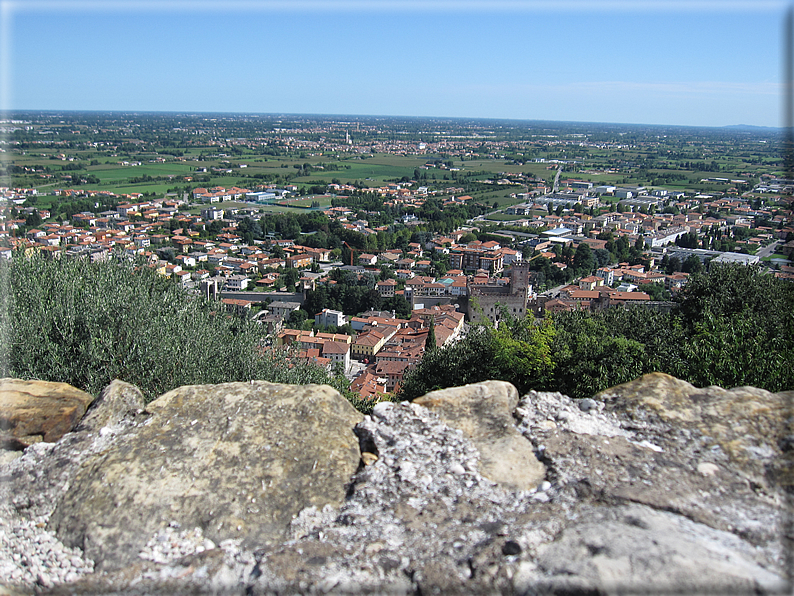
88,323
5,330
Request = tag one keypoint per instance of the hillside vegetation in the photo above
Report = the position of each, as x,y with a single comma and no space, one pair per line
86,324
733,326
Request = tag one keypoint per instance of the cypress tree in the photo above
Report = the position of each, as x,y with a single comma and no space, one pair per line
430,342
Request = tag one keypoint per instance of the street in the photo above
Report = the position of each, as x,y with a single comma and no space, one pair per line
768,250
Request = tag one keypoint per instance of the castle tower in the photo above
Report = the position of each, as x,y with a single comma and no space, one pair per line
519,279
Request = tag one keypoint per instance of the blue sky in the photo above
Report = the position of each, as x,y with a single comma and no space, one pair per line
687,62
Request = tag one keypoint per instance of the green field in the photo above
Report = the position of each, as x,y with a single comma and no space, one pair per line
306,202
639,157
158,188
369,171
115,173
495,166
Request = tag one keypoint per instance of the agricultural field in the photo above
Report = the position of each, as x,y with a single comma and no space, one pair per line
159,154
312,202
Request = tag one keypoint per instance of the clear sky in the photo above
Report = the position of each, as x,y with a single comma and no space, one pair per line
687,62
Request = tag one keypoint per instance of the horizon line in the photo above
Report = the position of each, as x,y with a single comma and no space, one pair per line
10,112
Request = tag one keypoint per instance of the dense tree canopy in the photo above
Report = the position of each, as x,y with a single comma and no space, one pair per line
740,322
517,352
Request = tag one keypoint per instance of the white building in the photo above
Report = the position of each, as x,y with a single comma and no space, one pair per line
260,197
510,256
236,283
607,275
337,351
664,237
330,318
211,214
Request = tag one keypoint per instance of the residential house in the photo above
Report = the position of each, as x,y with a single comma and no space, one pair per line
367,259
510,256
393,372
171,269
272,263
368,385
298,261
337,352
367,345
623,298
272,324
186,260
606,274
676,281
590,282
289,337
282,309
247,268
319,255
387,288
237,283
237,306
330,318
211,214
459,287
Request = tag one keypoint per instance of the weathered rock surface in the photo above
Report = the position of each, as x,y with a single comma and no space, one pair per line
659,551
118,401
612,456
237,460
632,501
34,411
745,426
31,485
484,413
35,482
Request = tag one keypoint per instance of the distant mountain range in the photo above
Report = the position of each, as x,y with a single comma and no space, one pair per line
753,128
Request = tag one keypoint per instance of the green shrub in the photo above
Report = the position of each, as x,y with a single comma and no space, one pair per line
590,356
518,352
87,323
740,323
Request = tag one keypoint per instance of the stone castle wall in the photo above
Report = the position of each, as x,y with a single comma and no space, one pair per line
260,488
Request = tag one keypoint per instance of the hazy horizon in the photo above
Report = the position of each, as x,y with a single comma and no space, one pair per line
740,126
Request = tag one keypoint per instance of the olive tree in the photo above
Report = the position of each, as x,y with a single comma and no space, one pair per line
86,324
